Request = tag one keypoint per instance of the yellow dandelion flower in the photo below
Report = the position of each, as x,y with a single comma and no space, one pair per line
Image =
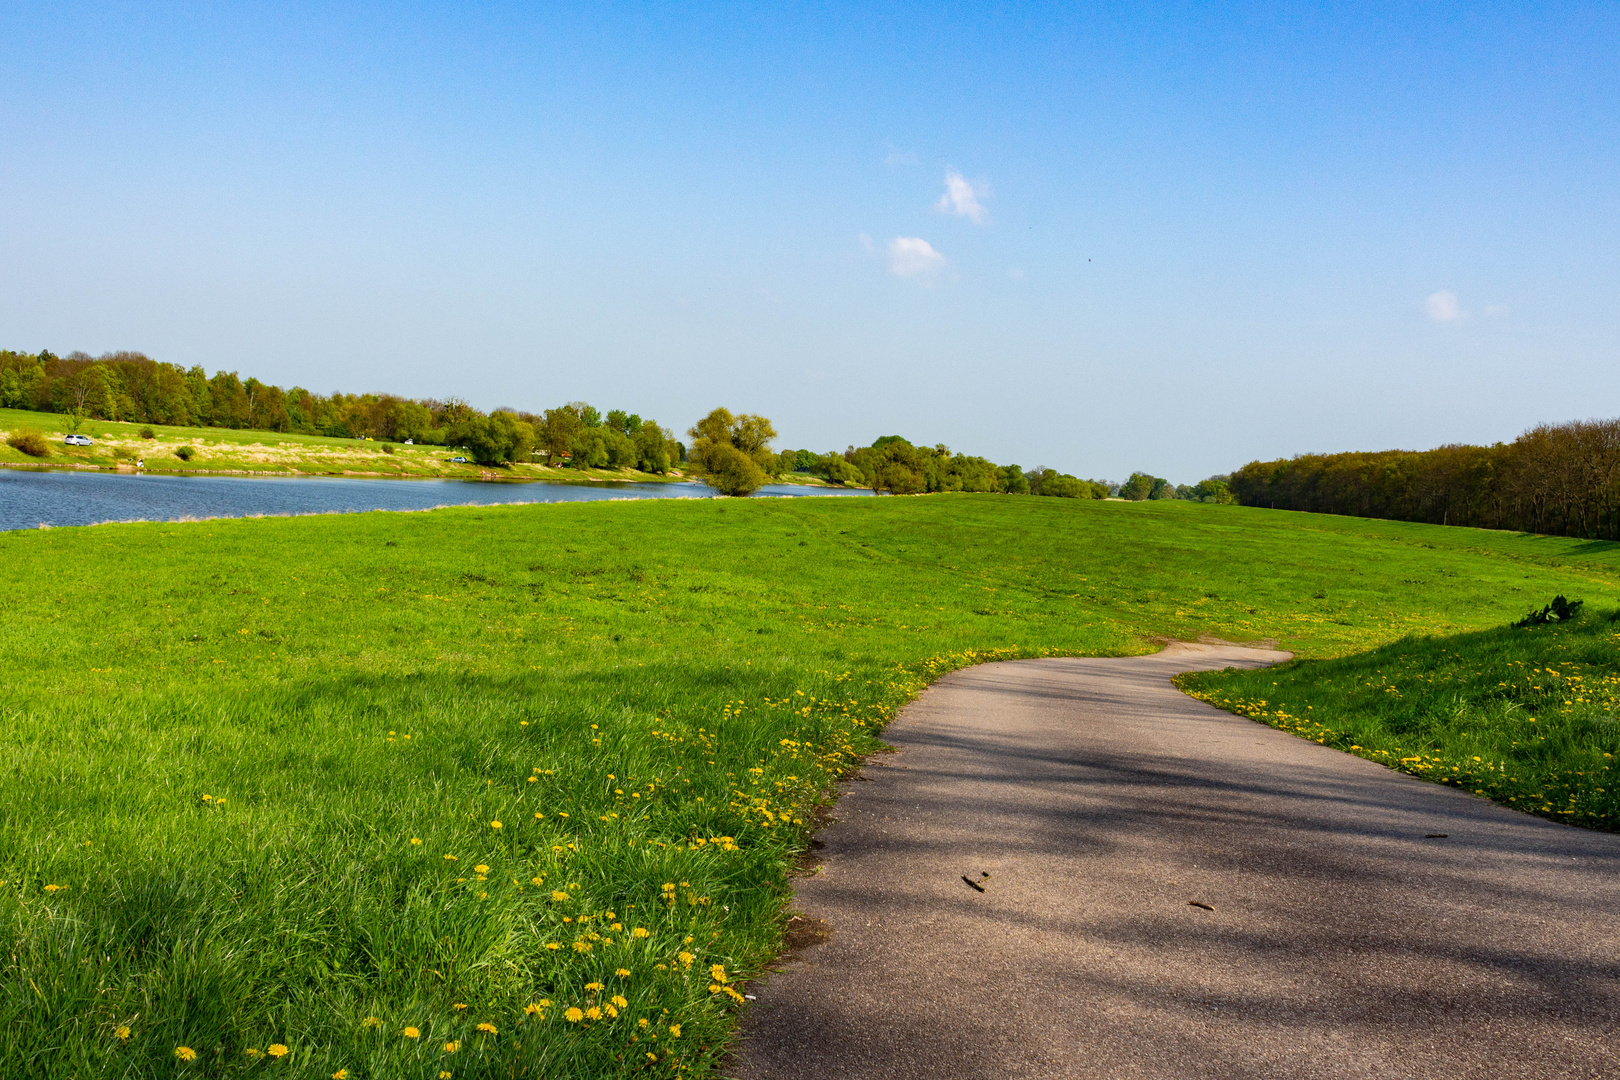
411,1033
623,973
417,840
685,958
593,986
185,1053
276,1050
480,869
642,1022
55,888
593,1013
341,1074
494,824
122,1032
459,1006
718,973
552,945
444,1074
488,1028
573,1015
371,1022
675,1030
618,1000
641,932
558,895
449,858
451,1047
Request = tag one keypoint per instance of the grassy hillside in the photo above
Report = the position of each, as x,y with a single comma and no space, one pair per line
355,786
1529,716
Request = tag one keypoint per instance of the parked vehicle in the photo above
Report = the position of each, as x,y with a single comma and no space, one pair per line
459,460
79,440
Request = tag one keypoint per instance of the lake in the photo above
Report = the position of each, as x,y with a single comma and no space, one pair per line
33,497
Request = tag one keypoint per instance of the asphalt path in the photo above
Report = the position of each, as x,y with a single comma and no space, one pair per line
1097,808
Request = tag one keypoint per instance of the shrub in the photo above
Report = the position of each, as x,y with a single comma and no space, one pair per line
1560,610
184,453
148,433
31,443
732,472
388,448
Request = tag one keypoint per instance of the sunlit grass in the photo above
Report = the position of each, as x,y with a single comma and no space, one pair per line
1528,716
254,768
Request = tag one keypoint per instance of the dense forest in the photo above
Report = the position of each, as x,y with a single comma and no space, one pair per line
1556,479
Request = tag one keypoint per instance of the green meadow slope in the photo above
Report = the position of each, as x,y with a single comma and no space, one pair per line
517,791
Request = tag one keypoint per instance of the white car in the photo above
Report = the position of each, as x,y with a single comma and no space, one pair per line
459,460
79,440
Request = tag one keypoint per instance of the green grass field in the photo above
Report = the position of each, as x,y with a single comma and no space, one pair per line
517,791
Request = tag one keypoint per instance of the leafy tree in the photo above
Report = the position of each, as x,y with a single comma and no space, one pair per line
1013,481
720,432
653,447
494,439
1139,487
560,428
839,471
732,472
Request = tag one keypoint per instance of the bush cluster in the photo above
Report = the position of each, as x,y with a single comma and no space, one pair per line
29,442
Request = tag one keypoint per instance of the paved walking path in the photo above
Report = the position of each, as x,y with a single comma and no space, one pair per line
1099,801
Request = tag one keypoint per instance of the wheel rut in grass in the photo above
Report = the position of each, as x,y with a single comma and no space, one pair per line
1070,869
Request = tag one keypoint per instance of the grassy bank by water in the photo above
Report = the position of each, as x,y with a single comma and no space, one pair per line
226,450
515,791
1529,716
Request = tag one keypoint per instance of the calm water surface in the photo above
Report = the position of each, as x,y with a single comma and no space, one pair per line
30,498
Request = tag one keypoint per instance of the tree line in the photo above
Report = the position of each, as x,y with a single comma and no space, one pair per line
1555,479
896,466
733,451
132,387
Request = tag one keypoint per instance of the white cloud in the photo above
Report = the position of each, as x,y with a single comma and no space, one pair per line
1443,307
912,256
962,198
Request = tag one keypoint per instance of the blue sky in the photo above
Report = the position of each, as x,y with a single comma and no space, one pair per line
1171,238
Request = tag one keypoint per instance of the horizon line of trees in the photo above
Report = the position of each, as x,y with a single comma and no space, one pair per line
733,451
132,387
1555,479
